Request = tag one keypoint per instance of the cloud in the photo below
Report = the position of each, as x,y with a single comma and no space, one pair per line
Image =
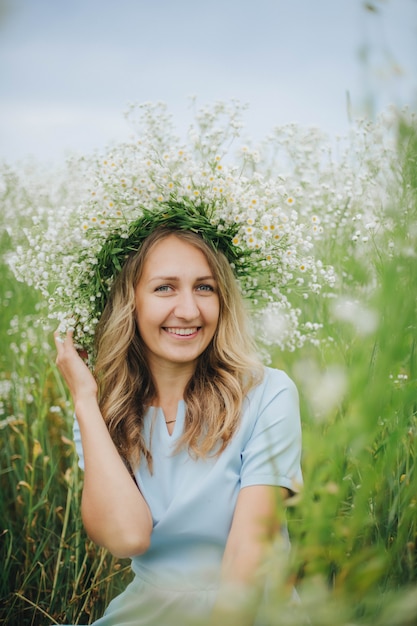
48,129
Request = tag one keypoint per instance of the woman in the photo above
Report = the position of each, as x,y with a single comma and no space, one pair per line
185,437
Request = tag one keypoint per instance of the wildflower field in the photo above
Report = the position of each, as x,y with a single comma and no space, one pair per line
343,324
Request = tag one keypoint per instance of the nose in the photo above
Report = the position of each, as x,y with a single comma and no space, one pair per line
186,306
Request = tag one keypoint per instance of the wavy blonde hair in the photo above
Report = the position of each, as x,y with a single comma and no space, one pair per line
225,372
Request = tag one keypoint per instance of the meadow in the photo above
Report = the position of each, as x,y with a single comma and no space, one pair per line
354,527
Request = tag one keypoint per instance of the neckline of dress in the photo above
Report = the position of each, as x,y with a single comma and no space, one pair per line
162,424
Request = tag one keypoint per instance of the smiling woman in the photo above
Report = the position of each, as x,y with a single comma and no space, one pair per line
189,433
190,325
177,306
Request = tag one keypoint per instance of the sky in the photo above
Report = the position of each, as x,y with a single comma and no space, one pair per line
68,68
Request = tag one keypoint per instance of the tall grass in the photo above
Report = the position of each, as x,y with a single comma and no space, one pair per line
50,572
353,529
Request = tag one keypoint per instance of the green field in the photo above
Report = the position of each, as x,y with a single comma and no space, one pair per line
354,527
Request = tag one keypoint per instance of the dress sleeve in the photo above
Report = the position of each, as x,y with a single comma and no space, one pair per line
272,454
77,440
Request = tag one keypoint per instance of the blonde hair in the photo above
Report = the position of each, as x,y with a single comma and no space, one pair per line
225,372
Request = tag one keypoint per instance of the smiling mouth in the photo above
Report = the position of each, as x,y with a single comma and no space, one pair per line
182,332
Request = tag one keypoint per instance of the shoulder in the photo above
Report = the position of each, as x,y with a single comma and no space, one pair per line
278,377
274,383
272,401
271,433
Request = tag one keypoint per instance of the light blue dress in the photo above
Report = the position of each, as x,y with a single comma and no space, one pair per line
192,504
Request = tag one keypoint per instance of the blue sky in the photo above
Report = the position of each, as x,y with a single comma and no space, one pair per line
69,67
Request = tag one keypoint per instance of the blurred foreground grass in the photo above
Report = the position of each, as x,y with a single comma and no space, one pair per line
353,529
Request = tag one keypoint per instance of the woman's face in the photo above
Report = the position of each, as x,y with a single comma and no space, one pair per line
177,304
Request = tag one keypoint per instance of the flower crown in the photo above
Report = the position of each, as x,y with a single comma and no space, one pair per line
175,215
75,252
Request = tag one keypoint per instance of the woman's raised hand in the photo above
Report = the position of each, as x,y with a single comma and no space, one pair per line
78,377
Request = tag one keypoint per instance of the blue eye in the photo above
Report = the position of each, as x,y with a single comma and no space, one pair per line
163,288
205,288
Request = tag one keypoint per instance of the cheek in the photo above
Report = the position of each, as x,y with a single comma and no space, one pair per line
215,314
150,315
142,321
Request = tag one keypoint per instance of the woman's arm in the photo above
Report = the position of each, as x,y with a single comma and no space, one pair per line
253,527
114,512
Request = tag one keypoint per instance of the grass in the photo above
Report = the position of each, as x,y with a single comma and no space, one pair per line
353,530
51,573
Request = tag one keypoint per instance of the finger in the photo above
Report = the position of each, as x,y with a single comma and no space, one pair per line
60,339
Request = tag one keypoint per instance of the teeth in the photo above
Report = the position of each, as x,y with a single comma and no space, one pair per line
181,331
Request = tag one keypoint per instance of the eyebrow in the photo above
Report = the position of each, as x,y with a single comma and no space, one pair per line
176,278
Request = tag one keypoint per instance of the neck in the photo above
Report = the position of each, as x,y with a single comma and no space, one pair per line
170,383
